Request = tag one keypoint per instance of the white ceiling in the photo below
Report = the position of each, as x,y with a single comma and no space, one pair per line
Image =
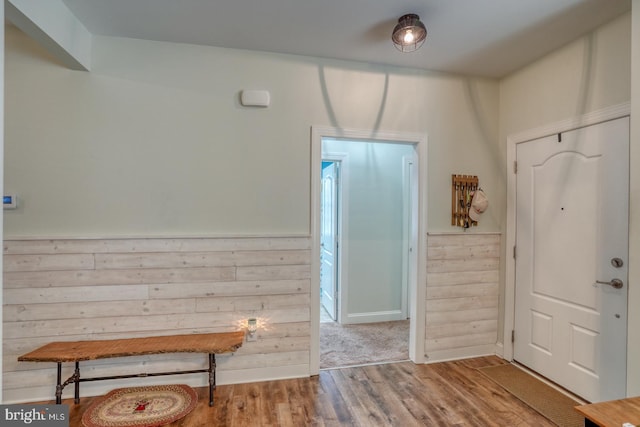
472,37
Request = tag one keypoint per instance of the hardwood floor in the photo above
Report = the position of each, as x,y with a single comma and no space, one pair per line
396,394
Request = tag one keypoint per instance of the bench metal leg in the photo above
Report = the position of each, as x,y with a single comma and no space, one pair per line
59,385
212,377
76,376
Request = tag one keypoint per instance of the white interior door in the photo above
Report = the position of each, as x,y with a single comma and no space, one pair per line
328,240
572,235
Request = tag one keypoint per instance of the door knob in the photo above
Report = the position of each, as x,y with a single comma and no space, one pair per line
614,283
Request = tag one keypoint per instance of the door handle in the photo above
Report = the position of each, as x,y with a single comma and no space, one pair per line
614,283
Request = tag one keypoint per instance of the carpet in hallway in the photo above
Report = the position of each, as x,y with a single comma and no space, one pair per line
361,344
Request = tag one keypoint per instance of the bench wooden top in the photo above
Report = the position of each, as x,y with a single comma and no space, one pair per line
613,413
73,351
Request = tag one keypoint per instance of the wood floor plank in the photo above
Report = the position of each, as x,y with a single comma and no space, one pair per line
397,394
390,400
333,400
471,383
365,411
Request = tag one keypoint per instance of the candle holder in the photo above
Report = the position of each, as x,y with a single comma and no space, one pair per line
252,328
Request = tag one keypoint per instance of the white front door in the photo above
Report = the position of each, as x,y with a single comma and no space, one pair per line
328,239
572,235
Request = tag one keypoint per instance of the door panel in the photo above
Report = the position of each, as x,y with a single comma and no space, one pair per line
328,240
571,220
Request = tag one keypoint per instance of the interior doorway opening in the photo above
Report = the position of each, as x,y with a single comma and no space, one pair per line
416,289
368,216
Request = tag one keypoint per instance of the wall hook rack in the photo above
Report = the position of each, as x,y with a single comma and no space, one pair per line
462,188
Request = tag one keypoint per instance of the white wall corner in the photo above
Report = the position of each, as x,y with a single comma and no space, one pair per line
633,339
51,23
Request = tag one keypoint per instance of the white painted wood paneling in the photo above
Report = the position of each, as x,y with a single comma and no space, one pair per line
462,295
77,289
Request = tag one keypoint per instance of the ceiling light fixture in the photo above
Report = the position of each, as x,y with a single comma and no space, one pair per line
409,34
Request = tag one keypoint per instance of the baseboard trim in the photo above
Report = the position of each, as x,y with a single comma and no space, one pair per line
462,353
376,316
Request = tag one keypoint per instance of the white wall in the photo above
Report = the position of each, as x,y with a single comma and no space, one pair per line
153,140
591,73
633,355
587,75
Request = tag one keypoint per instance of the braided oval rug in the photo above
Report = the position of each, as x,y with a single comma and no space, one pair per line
148,406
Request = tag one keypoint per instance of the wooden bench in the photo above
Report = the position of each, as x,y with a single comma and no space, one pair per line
77,351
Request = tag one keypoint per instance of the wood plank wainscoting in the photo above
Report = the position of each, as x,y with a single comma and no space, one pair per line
76,289
462,295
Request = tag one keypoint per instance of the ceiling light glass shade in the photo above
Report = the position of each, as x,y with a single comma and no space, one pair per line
409,34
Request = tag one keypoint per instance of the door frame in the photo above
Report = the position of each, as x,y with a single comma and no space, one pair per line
341,259
598,116
417,289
